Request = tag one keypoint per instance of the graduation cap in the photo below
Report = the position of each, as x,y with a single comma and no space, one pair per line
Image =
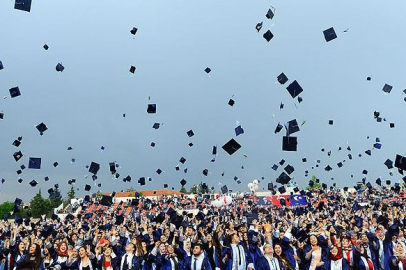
15,92
289,143
204,186
41,128
88,187
224,189
231,146
152,144
282,189
34,163
190,144
268,35
329,34
205,172
141,181
258,27
278,128
289,169
33,183
182,160
156,125
214,151
119,219
239,130
183,182
368,152
377,145
283,178
328,168
17,155
112,166
269,14
387,88
231,102
132,69
400,162
294,89
20,180
59,67
159,171
1,115
106,200
94,167
340,164
1,65
292,127
365,172
392,125
389,163
330,122
207,70
134,30
151,108
56,164
282,79
17,143
304,159
274,167
46,47
24,5
190,133
282,162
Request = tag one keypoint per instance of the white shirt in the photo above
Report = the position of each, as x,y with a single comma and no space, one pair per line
336,265
199,262
238,265
129,260
273,263
172,263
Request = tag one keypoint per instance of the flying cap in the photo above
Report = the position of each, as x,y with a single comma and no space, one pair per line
231,146
94,167
269,14
41,128
239,130
15,91
294,89
59,67
134,30
387,88
190,133
207,70
24,5
268,35
34,163
292,127
289,143
282,79
132,69
329,34
283,178
151,108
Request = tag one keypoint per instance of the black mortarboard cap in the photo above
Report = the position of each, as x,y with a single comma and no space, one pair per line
183,182
224,189
24,5
152,144
34,163
1,65
268,35
205,172
231,102
368,152
239,130
283,178
282,162
274,167
41,128
214,151
159,171
387,88
132,69
388,182
392,125
269,14
15,92
119,219
134,30
141,181
182,160
94,167
330,122
190,133
59,67
282,189
328,168
106,200
112,167
278,128
289,169
46,47
88,187
259,26
56,164
400,162
207,70
282,79
17,155
292,127
156,125
329,34
289,143
151,108
294,89
231,146
33,183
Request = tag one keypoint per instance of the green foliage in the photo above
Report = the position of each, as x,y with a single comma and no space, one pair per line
71,193
315,185
198,189
6,208
183,190
56,202
40,206
99,194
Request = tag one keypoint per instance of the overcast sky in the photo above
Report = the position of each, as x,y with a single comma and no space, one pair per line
175,42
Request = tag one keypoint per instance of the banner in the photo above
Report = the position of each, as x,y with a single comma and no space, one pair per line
279,200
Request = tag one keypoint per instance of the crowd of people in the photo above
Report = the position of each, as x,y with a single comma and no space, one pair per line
336,230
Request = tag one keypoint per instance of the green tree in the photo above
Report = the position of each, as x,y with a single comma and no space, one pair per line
57,201
183,190
6,208
39,206
202,189
194,189
71,193
99,194
315,184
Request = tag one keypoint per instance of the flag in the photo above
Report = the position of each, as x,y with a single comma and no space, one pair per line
298,200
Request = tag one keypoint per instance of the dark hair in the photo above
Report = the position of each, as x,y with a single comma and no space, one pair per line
37,257
26,265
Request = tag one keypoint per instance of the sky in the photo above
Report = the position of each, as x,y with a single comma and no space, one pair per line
83,106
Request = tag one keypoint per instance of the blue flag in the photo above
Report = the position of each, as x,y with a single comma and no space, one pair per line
298,200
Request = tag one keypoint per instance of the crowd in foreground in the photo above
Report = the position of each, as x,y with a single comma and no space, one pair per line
361,230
